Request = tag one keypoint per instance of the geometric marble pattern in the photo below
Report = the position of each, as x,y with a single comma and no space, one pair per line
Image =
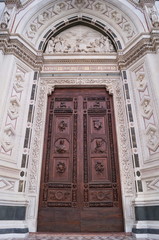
104,236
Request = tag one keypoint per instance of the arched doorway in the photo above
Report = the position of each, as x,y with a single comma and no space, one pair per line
86,67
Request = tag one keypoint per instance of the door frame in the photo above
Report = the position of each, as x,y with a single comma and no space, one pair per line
115,87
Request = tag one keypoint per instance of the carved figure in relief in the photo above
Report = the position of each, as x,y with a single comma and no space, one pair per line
128,28
14,109
61,147
76,42
42,18
98,148
19,81
97,124
50,46
146,106
99,6
99,167
59,7
140,80
152,138
32,31
8,138
62,126
79,3
154,17
61,167
5,20
116,16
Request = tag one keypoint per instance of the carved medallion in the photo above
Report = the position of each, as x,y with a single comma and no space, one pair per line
62,146
98,146
60,168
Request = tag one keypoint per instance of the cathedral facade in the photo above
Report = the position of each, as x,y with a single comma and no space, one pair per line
79,116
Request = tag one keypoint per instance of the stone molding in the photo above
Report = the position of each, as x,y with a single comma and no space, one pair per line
35,59
18,49
145,45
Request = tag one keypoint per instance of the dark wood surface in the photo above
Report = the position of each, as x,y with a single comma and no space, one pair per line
80,184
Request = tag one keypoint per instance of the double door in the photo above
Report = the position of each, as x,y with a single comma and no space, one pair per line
80,185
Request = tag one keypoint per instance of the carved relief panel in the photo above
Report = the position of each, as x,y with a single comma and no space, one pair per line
100,159
59,152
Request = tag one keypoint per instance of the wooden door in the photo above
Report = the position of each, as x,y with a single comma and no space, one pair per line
80,185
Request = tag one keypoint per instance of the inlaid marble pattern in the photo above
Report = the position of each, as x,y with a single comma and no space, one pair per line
103,236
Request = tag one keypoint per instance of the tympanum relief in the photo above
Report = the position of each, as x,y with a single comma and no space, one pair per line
80,39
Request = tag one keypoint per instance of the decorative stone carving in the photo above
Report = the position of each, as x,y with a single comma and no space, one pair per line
32,31
116,16
14,108
152,138
9,132
141,81
79,3
153,185
154,17
107,10
59,7
8,139
5,20
42,18
19,81
146,108
148,116
99,6
7,184
80,39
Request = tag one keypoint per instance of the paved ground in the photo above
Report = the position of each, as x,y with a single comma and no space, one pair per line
78,237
